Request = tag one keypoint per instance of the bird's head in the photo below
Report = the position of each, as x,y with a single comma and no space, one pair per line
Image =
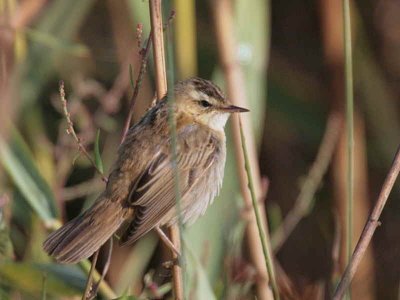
205,102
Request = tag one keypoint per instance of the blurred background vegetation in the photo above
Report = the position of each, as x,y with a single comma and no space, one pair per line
292,59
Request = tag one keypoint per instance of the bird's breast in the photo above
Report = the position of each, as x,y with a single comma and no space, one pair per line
203,193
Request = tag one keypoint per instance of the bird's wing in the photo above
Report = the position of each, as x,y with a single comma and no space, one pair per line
153,194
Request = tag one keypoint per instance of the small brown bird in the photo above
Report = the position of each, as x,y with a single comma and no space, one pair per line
140,193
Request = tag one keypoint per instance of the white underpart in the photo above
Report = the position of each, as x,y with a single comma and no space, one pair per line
218,121
195,203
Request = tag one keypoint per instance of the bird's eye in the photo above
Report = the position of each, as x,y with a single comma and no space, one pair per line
205,103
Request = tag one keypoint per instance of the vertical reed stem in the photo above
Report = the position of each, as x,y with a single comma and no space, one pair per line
161,82
264,235
227,46
158,47
349,126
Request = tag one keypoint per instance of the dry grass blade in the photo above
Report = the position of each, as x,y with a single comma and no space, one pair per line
264,236
349,124
369,229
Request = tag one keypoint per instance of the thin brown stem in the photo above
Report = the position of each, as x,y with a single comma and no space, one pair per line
71,131
158,48
144,53
369,229
176,269
90,276
96,286
145,56
311,183
167,241
223,20
139,32
161,84
82,149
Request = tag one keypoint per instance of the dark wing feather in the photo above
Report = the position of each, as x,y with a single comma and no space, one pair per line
154,194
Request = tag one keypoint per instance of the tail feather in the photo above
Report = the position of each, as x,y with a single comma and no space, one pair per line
81,237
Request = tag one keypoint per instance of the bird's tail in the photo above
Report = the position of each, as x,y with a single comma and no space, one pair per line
81,237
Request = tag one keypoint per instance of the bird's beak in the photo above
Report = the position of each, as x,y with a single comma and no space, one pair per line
233,109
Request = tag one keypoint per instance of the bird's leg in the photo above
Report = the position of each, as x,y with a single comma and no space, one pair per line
167,241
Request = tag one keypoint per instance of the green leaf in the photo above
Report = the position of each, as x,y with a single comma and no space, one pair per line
97,156
19,164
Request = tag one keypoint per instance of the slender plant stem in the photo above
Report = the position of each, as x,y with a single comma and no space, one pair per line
349,127
86,266
104,288
158,47
138,83
44,287
166,240
236,93
161,83
263,233
96,286
175,231
71,131
369,229
89,279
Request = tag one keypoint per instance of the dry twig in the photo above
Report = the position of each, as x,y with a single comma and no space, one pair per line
95,287
369,229
139,31
71,131
145,55
89,279
311,183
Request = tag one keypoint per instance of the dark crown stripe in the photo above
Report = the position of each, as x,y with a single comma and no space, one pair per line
208,88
